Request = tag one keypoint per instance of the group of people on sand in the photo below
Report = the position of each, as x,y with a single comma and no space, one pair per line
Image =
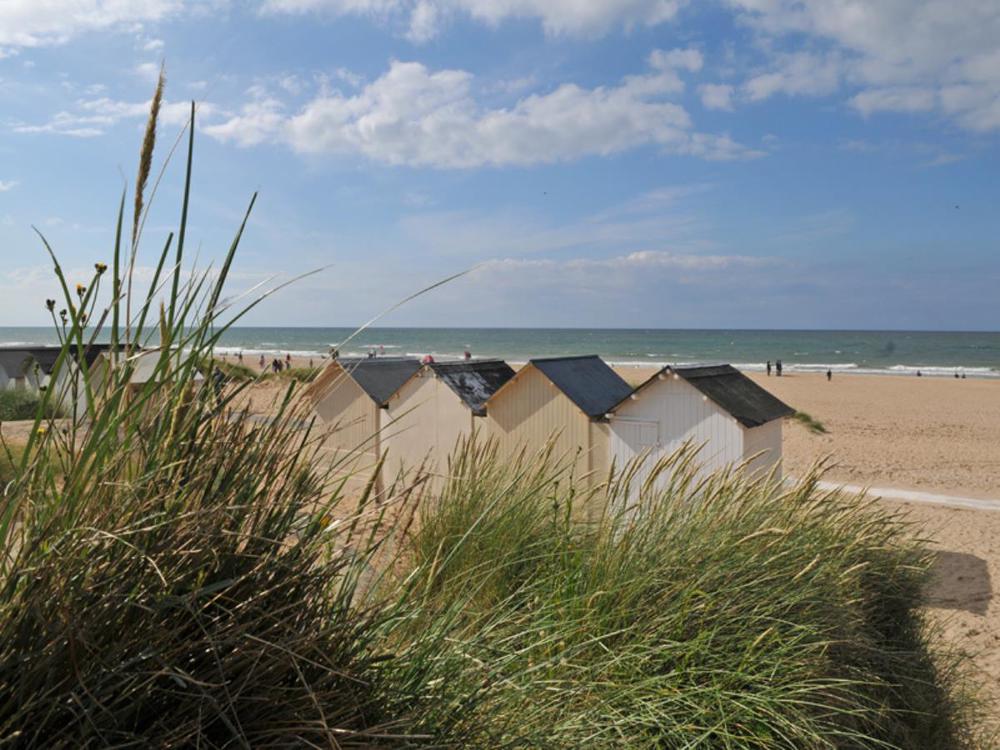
779,368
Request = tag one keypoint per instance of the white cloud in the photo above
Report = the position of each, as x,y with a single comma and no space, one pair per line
148,71
894,99
897,55
153,45
94,117
559,17
414,116
32,23
6,185
716,96
641,261
796,74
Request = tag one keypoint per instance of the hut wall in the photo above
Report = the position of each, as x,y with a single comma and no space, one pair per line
530,411
766,441
678,413
423,424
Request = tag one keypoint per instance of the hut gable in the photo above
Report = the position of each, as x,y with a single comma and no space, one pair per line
378,377
732,391
587,381
474,382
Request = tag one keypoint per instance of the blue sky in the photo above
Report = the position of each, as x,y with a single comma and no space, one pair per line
624,163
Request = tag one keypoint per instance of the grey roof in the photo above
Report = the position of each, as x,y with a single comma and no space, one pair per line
750,404
15,360
587,381
380,377
474,381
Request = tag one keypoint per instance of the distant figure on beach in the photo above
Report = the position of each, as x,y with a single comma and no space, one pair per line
288,361
963,376
956,376
777,368
428,359
239,357
276,365
218,380
769,368
262,362
829,375
381,350
310,363
467,354
919,374
371,354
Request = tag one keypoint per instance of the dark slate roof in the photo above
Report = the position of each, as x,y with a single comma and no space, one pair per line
587,381
16,359
474,381
380,377
750,404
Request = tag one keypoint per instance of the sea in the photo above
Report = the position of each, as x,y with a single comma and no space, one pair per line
932,353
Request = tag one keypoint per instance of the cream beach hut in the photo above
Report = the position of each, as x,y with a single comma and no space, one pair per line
714,407
441,404
564,399
351,395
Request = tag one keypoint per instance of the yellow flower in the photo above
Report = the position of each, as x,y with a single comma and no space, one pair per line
42,430
101,267
80,289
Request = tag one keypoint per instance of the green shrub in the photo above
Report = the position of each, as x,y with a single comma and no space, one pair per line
19,404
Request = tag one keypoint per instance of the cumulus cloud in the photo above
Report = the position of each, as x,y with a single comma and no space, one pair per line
716,96
6,185
415,116
424,18
32,23
898,55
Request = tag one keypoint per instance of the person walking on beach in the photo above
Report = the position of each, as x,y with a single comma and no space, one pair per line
262,362
829,375
769,368
777,368
466,354
239,357
288,361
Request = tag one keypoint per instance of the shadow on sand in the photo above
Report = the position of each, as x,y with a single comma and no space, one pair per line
961,581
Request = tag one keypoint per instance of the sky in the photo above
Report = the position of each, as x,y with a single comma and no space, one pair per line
590,163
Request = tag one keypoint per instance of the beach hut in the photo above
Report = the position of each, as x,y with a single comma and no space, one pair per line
350,395
30,367
439,405
563,399
715,407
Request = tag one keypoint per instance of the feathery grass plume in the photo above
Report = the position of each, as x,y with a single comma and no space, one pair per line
146,155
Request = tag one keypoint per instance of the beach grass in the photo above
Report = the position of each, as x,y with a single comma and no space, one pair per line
730,613
177,575
810,423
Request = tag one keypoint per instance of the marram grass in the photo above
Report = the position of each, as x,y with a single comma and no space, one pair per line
731,613
177,575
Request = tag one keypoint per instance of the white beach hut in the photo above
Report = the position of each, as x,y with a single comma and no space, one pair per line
441,404
713,407
350,396
562,399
